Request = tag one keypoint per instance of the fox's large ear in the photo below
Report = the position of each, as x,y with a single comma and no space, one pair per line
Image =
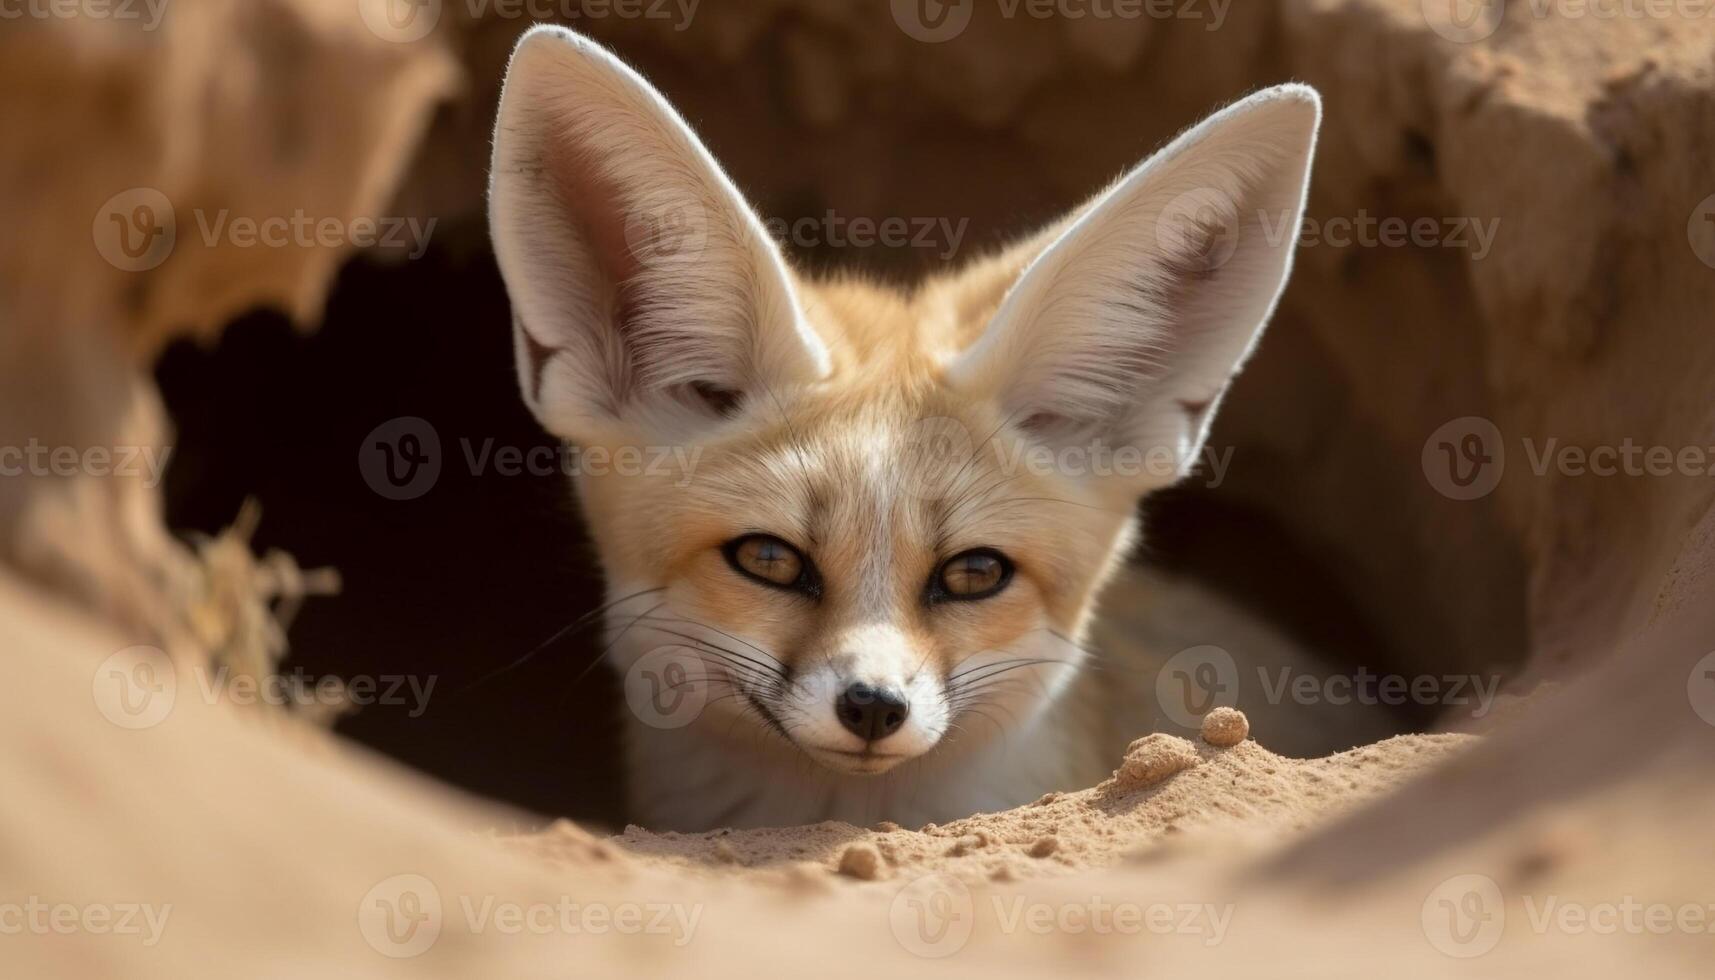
1130,318
645,292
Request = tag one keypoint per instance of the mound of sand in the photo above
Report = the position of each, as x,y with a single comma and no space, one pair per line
1166,795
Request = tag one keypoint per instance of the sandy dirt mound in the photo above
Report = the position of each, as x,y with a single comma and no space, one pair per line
1166,796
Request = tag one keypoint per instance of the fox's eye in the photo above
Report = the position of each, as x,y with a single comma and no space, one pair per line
975,574
769,560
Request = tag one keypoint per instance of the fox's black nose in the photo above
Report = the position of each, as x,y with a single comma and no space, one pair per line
871,713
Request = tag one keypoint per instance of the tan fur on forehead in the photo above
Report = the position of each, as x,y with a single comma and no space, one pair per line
832,468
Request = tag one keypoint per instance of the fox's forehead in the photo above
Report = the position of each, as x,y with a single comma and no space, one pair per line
880,337
853,481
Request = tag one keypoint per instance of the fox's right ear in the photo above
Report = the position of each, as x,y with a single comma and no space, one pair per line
646,294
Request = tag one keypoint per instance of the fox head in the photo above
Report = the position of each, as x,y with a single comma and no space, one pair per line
858,516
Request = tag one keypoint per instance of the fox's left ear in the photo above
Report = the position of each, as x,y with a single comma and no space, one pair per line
1131,318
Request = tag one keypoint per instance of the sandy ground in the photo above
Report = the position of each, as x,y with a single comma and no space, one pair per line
1167,796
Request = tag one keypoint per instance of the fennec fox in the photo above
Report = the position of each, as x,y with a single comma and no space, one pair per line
866,599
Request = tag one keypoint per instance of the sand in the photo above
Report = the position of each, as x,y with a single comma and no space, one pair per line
1166,795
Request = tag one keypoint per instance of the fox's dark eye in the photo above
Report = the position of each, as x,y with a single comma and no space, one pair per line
975,574
771,561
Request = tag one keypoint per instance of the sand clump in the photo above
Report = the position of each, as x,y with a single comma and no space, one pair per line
1151,759
861,861
1225,727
